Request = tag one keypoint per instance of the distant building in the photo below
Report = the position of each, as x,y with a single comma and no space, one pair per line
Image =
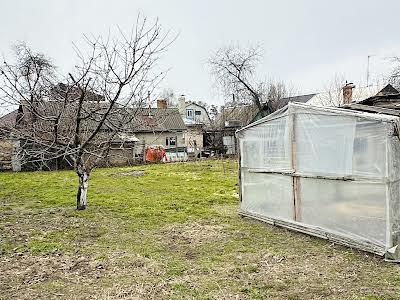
149,127
161,126
196,119
282,103
7,156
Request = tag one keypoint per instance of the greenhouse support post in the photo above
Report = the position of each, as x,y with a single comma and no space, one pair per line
295,179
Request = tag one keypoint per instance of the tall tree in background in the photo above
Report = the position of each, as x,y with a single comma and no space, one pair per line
169,95
332,92
234,69
394,76
79,116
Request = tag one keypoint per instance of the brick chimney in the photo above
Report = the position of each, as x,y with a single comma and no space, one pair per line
348,93
162,103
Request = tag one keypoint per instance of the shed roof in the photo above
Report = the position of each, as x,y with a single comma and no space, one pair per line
388,98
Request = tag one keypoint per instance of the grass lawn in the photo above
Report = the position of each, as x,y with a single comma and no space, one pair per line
173,233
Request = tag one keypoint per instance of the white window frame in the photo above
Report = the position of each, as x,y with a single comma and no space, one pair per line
189,113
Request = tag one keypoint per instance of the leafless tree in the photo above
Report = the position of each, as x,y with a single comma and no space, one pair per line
212,111
278,94
169,95
394,76
94,107
332,93
235,71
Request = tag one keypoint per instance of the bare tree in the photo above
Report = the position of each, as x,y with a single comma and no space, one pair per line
394,75
278,94
94,107
332,93
234,69
169,95
212,112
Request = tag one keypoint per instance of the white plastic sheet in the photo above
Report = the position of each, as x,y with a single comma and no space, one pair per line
350,208
348,163
324,144
369,150
340,145
267,194
266,146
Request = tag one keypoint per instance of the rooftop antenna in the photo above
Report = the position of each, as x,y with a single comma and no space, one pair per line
369,57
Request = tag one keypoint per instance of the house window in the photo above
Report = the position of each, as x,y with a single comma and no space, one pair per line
170,141
189,113
197,113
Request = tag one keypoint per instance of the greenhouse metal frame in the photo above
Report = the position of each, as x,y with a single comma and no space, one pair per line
329,172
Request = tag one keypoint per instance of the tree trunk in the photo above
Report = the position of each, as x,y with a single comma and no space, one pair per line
82,190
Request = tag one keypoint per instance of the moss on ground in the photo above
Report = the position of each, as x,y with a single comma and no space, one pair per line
173,233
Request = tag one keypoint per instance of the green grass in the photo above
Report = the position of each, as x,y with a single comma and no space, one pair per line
173,233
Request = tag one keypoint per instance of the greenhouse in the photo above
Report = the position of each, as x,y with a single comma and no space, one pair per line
329,172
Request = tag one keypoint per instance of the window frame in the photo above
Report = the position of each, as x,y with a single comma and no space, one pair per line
189,113
170,139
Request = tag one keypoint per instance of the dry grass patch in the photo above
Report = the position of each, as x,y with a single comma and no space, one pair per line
32,277
192,234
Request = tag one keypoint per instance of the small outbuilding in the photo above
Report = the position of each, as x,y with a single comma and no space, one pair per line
329,172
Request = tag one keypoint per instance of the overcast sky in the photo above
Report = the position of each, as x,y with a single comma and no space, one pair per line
305,42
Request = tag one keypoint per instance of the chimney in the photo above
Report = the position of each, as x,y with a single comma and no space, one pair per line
181,104
162,103
348,93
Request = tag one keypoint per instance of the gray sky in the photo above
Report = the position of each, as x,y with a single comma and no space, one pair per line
305,42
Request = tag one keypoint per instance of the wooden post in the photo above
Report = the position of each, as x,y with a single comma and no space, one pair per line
176,148
240,173
295,179
389,237
144,151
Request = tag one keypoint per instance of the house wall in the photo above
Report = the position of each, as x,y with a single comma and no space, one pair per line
118,156
6,148
133,154
203,118
158,138
229,142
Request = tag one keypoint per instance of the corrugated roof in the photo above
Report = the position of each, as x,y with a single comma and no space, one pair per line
243,113
129,120
158,119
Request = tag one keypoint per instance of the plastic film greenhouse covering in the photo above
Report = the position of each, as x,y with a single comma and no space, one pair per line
330,172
